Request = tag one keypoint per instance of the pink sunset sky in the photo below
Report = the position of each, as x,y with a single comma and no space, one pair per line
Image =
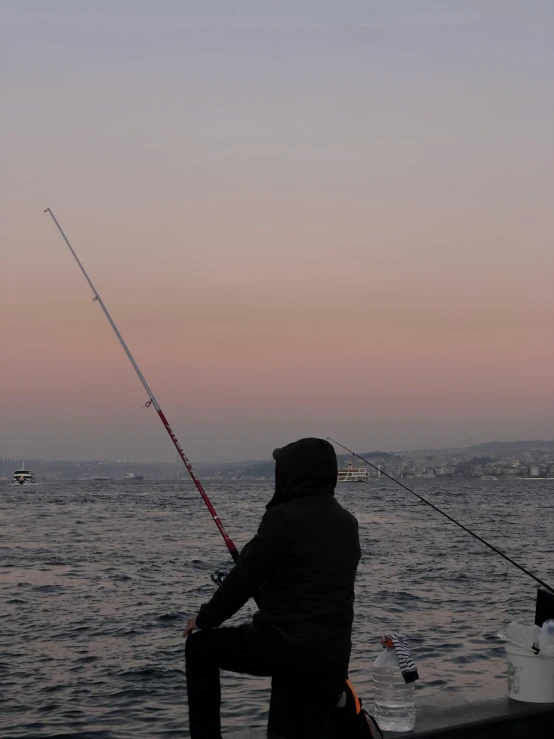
306,218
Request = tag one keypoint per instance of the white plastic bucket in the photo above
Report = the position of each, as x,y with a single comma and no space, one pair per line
530,676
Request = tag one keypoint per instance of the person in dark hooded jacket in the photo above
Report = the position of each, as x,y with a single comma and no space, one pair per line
300,567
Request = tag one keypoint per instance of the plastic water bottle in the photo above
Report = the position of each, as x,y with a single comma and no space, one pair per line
394,698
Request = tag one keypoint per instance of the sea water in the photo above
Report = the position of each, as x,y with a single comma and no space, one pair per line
97,580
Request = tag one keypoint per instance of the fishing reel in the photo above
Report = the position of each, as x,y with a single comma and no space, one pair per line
218,576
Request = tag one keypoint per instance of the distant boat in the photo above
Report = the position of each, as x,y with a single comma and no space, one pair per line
100,478
132,476
353,474
489,477
23,477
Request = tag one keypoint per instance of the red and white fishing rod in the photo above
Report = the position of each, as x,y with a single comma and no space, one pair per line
233,551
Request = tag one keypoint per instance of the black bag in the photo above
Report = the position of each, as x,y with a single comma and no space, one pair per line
545,606
349,720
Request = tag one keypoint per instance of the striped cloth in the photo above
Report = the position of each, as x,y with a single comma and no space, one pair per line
407,665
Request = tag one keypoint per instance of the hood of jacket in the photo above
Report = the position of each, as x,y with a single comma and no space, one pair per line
307,467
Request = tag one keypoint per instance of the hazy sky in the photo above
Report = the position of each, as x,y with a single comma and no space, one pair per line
306,217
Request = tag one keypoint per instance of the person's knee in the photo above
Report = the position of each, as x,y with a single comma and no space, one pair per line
196,645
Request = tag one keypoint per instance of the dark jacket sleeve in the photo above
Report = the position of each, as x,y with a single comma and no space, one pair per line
255,564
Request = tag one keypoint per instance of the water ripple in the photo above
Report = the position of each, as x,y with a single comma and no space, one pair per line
97,580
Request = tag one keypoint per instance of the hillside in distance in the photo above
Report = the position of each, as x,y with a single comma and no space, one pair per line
453,461
511,447
491,448
473,453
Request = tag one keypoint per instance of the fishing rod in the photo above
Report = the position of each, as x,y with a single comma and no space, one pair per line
233,551
453,520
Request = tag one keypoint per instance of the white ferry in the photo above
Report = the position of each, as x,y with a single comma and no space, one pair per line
353,474
23,477
132,476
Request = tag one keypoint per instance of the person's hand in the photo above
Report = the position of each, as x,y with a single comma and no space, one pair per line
190,627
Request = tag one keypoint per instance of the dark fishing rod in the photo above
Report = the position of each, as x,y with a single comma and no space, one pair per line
233,551
453,520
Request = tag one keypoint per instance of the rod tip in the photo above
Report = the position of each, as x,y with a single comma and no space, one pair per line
47,209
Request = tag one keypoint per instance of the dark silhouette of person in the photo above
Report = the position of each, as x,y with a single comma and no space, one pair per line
300,567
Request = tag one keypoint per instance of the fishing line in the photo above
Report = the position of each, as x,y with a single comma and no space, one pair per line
233,551
453,520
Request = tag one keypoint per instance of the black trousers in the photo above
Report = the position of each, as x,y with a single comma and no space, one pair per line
301,701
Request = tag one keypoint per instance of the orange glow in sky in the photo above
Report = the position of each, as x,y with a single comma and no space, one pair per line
302,225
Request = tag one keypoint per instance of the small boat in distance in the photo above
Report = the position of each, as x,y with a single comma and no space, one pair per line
132,476
23,477
353,474
100,478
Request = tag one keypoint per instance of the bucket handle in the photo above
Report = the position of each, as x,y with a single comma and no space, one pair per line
533,649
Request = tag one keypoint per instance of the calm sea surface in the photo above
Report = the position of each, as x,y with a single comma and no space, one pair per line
97,581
